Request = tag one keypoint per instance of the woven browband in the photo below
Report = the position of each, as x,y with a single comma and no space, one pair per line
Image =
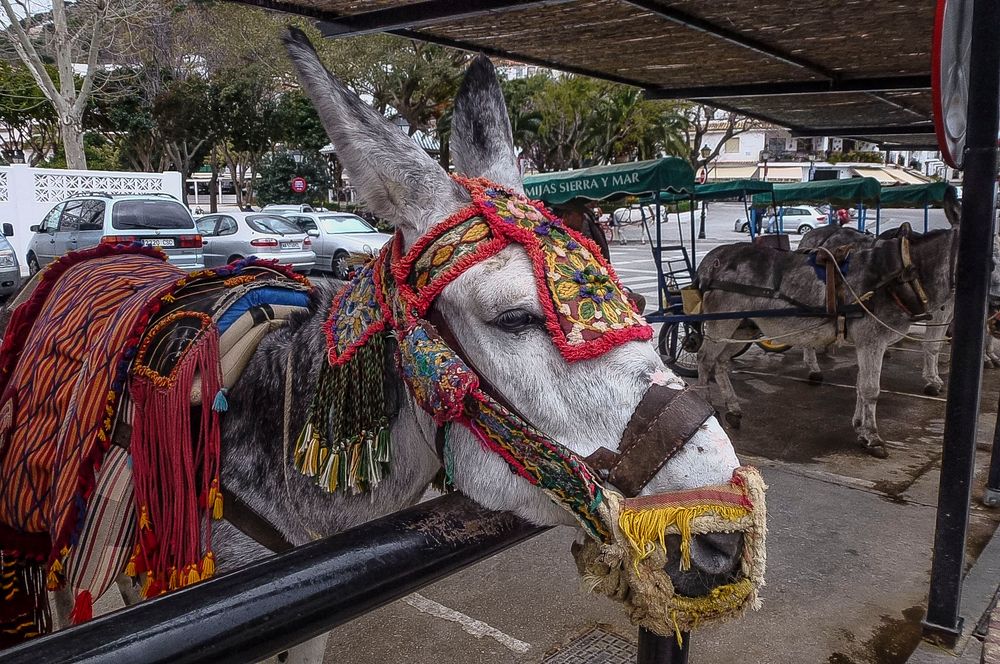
664,420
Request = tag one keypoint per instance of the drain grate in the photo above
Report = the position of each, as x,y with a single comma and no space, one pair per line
595,646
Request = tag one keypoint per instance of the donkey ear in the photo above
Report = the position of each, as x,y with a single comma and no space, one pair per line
396,178
481,139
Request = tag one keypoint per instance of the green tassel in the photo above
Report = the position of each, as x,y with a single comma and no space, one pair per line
220,404
310,462
383,453
331,471
342,469
449,457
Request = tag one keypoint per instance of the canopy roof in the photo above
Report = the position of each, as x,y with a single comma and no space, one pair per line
820,68
601,182
841,193
917,195
715,191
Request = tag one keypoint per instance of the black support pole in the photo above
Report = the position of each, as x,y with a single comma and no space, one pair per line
992,496
972,280
263,609
655,649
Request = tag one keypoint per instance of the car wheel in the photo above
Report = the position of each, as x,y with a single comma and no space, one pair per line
745,228
804,228
33,267
339,265
234,258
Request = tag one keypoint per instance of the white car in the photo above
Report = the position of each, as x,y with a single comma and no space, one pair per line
338,237
799,219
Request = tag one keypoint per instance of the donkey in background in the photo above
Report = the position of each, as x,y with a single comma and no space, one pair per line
495,312
749,265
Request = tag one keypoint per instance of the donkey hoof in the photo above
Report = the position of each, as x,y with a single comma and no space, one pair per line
734,419
815,377
932,390
874,447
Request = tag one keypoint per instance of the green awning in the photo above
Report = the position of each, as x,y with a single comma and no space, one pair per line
916,195
715,191
840,193
598,183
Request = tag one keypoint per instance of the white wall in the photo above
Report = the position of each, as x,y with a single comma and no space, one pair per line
27,194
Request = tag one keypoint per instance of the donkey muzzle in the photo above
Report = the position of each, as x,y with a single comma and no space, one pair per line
715,562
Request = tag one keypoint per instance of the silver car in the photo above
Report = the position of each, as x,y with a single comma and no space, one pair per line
339,239
229,236
86,220
10,271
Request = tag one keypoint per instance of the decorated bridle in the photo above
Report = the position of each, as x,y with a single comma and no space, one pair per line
345,441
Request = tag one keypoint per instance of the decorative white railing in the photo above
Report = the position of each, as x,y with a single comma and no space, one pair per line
3,186
53,187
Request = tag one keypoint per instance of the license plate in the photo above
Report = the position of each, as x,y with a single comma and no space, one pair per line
159,242
290,244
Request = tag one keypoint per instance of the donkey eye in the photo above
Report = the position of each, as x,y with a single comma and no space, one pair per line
515,320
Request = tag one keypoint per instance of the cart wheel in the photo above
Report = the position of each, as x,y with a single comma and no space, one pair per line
771,347
678,346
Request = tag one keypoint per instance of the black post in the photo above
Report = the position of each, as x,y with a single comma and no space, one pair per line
701,228
655,649
272,605
971,285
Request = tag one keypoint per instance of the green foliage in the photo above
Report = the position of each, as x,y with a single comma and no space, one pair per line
277,171
28,121
298,124
856,156
574,122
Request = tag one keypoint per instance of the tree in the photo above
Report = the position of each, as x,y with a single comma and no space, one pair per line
186,122
699,119
277,171
28,122
298,124
66,37
244,103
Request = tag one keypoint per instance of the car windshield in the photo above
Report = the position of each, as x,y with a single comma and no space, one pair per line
150,215
346,223
274,225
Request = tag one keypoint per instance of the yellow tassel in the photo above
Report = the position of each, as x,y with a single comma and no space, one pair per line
645,528
146,583
328,478
193,576
143,518
208,565
172,582
56,566
130,568
217,506
310,464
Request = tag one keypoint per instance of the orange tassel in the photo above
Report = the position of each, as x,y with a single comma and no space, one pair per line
143,518
172,583
130,568
217,506
193,576
208,565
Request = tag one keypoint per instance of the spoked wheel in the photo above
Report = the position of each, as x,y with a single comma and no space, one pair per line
678,346
772,347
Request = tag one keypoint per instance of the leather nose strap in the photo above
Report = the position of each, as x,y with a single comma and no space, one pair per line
664,420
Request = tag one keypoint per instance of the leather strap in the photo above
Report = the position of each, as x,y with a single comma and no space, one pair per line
253,525
663,421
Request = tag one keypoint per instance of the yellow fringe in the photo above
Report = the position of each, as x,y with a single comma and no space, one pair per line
143,517
193,577
646,528
217,506
130,568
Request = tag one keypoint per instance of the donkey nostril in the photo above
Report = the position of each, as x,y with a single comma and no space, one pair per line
715,561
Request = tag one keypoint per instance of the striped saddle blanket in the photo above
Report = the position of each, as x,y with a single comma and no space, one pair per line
106,453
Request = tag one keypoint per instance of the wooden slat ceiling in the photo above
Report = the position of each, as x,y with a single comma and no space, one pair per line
856,68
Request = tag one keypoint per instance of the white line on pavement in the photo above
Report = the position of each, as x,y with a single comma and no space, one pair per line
476,628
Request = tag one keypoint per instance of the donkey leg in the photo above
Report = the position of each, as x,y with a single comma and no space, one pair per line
812,363
933,339
713,357
131,592
869,376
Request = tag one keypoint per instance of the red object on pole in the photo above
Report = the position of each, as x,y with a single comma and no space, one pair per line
299,185
702,175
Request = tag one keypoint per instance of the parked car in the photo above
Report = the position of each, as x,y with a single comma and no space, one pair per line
337,237
277,208
86,220
10,270
635,213
801,219
230,236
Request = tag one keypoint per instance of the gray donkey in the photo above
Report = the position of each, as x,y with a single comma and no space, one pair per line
743,277
494,311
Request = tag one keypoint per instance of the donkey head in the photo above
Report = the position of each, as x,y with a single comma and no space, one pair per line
495,312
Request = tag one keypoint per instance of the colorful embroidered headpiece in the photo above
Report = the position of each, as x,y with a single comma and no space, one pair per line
586,310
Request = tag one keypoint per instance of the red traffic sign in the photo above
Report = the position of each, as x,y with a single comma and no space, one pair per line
950,56
702,175
299,185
